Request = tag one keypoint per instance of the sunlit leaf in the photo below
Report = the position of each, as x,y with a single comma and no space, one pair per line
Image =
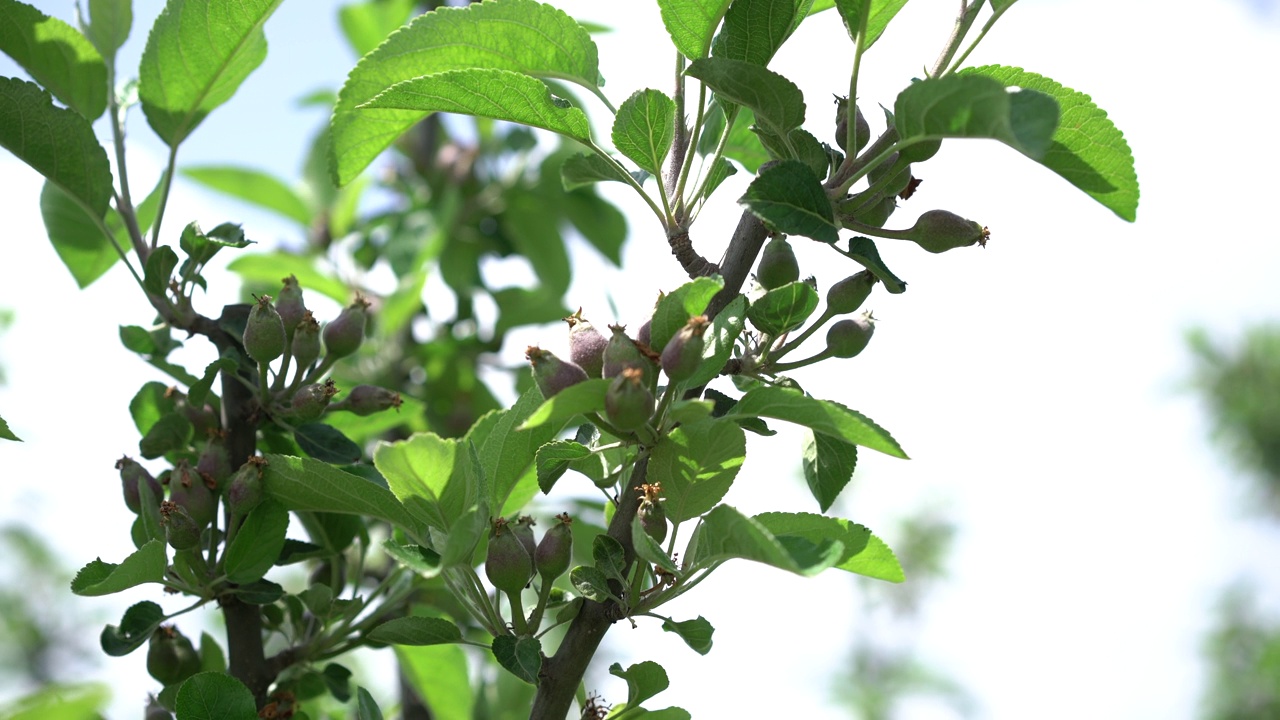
56,55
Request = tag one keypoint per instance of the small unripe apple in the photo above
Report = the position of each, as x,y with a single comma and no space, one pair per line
777,265
345,333
683,352
551,373
939,231
846,338
264,332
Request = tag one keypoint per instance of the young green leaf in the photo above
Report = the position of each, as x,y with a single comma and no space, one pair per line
109,24
553,460
146,564
1087,149
506,443
416,631
784,308
212,658
530,220
720,339
270,267
649,550
644,128
588,169
753,30
159,270
583,397
878,17
676,307
696,633
864,553
171,432
522,656
423,561
135,628
215,696
79,241
366,707
255,187
439,674
521,36
56,55
258,542
327,444
58,143
864,251
590,583
306,484
198,53
789,197
818,415
464,535
644,680
973,106
719,172
485,92
426,473
776,101
367,24
692,24
828,466
6,433
697,464
726,533
608,556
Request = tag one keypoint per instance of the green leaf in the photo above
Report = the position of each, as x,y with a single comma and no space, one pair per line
215,696
719,340
270,267
258,542
79,241
109,26
1086,149
726,533
531,222
881,13
696,465
429,474
151,402
367,24
609,557
421,560
519,306
585,397
159,270
255,187
520,36
587,169
366,707
695,633
692,24
553,458
439,674
171,432
146,564
327,444
720,171
776,101
464,535
644,128
58,143
262,592
821,416
743,144
506,444
198,392
675,309
864,251
58,701
828,466
590,583
135,628
416,631
522,656
56,55
783,308
789,197
754,30
306,484
644,680
973,106
211,656
6,433
198,53
484,92
649,550
864,553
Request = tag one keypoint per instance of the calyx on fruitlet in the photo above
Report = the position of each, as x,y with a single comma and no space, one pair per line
289,304
310,401
586,345
245,491
171,658
306,342
555,550
344,334
846,338
683,352
551,373
507,563
778,264
653,518
628,403
181,532
264,332
938,231
622,352
848,295
131,474
188,489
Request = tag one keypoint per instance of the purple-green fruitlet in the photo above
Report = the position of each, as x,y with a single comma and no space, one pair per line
551,373
622,352
289,304
214,465
939,231
628,403
586,345
188,489
131,473
181,531
848,295
245,492
507,564
344,334
862,131
365,400
523,529
846,338
653,518
310,401
264,332
555,550
306,341
171,658
683,353
777,265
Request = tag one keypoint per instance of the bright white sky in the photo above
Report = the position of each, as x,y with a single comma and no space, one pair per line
1038,384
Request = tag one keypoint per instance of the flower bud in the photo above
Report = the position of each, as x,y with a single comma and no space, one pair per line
555,551
171,658
289,304
628,403
245,491
938,231
586,345
551,373
365,400
507,563
306,342
683,353
264,332
345,333
189,490
310,401
180,529
777,265
848,295
848,337
131,474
